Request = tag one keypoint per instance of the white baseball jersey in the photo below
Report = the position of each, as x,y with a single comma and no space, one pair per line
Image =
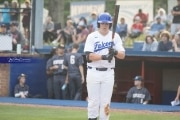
99,44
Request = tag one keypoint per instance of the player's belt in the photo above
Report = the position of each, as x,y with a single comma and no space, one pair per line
99,69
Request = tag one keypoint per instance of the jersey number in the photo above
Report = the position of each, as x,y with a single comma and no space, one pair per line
72,59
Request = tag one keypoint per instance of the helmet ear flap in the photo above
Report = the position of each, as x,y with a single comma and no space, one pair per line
98,25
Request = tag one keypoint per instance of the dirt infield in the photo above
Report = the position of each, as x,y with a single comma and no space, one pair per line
84,109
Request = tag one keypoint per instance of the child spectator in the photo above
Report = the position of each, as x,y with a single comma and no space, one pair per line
165,44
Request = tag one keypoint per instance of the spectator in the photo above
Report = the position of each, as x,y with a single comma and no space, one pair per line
136,28
83,21
122,28
6,14
3,29
162,14
176,42
48,30
93,22
150,44
165,44
70,33
81,37
59,74
21,89
26,17
14,11
176,18
178,94
143,17
138,94
156,28
74,63
18,37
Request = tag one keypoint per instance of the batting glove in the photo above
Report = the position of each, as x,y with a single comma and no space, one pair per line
107,57
113,51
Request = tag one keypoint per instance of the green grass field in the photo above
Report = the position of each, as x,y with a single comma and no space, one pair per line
29,112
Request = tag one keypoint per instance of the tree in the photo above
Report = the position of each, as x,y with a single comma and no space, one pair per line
56,10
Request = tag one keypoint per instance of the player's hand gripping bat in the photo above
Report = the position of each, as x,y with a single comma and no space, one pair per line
115,19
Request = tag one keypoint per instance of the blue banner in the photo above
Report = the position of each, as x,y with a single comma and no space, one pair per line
18,60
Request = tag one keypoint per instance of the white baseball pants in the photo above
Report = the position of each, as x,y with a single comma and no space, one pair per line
100,87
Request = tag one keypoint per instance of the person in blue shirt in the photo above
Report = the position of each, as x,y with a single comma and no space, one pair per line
93,22
156,28
122,28
5,14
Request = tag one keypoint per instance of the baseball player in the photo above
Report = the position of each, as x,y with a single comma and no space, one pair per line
138,94
74,63
178,94
50,75
21,90
100,67
59,73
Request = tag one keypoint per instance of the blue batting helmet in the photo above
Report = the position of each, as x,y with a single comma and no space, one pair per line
104,18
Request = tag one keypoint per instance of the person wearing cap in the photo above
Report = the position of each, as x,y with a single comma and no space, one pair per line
156,28
165,43
138,94
176,42
18,37
100,51
21,90
3,29
59,73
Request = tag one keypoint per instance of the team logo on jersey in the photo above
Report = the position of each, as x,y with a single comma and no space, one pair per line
56,62
102,45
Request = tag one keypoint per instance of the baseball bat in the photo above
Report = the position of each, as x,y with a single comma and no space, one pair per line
115,19
114,24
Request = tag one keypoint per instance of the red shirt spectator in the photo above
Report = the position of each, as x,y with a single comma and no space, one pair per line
143,16
137,26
